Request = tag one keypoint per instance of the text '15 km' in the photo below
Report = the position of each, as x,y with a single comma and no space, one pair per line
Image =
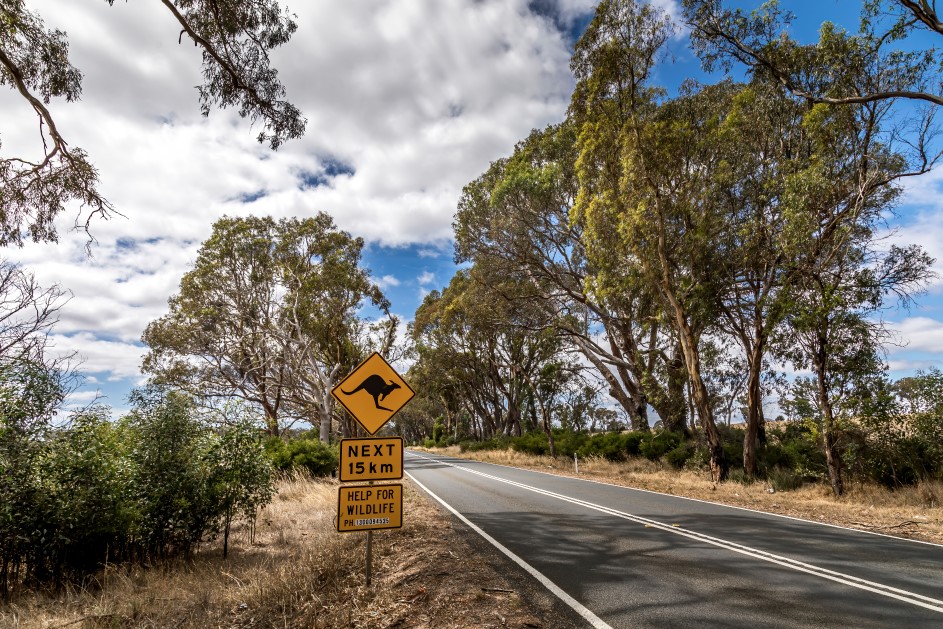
371,459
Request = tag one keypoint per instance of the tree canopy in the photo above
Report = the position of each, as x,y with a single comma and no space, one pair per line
267,314
235,38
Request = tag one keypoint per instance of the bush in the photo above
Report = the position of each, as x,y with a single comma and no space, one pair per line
681,454
317,458
613,446
782,479
490,444
531,443
155,483
656,445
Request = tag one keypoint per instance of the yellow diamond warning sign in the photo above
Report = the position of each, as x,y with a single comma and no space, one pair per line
369,507
373,393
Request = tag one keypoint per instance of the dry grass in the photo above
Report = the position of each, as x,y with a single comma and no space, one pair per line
911,512
299,572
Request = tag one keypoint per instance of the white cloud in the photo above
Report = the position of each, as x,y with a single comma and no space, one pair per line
922,334
387,281
116,358
406,101
425,278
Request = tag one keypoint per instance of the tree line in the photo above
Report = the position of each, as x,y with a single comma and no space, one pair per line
682,250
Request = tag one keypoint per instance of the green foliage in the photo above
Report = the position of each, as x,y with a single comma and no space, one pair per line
657,445
531,443
613,446
311,455
438,430
488,444
90,491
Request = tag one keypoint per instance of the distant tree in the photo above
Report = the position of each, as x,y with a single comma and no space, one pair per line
235,37
491,347
267,314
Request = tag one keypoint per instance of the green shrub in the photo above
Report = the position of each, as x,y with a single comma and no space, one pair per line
155,483
783,479
311,455
438,430
613,446
656,445
681,454
490,444
170,486
531,443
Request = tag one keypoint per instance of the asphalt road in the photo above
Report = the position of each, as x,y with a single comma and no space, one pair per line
622,557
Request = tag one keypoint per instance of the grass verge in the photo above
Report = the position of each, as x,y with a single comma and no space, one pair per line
298,572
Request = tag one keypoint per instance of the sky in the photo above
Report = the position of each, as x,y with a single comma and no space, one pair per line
406,102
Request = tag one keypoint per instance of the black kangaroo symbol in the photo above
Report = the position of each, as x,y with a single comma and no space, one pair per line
377,387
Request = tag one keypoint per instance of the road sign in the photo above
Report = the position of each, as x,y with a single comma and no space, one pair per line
369,507
379,458
373,393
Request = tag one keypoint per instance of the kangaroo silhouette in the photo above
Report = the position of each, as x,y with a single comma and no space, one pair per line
377,387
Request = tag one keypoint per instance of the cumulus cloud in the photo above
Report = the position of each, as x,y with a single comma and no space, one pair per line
922,333
425,278
116,358
406,101
387,281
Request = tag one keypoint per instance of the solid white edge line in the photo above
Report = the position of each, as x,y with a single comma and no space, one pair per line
709,502
838,577
585,613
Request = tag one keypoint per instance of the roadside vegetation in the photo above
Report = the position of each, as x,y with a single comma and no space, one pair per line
292,569
640,284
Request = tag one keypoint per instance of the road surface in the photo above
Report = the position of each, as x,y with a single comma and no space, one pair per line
620,557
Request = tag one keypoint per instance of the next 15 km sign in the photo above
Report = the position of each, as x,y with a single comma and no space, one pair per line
371,459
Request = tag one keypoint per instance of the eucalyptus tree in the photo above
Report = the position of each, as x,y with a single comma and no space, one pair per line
267,314
491,346
646,198
320,270
235,38
879,62
515,220
842,273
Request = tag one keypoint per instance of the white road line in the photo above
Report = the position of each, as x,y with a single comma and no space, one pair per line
708,502
846,579
592,618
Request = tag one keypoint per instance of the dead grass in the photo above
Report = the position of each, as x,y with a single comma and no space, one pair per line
910,512
299,573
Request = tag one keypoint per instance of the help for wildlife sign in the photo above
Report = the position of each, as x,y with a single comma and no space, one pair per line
369,507
373,393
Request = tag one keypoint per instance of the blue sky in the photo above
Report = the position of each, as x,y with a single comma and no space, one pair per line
406,100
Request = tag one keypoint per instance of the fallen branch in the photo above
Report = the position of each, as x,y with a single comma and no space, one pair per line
498,590
891,526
